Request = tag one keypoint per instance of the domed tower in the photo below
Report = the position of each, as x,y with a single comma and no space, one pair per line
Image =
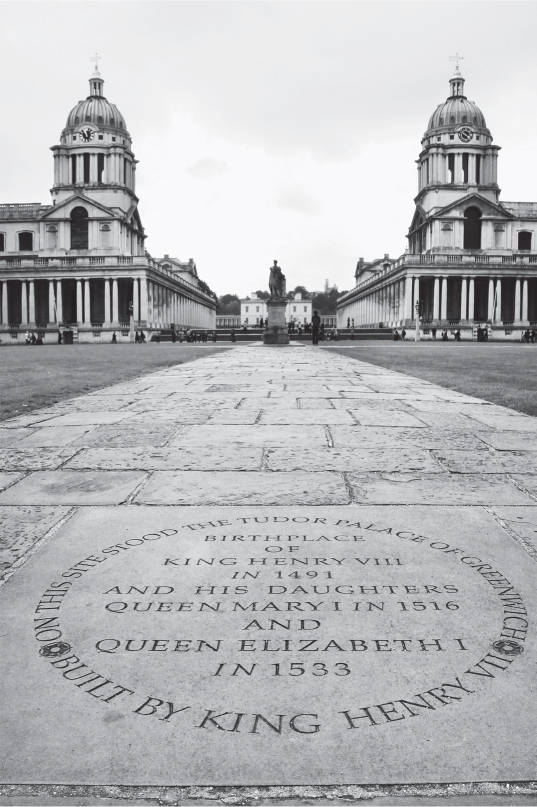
457,154
458,160
94,156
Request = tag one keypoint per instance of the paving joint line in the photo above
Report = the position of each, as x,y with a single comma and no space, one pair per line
36,546
129,499
328,435
520,540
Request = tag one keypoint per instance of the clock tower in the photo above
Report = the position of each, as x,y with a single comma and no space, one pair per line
95,155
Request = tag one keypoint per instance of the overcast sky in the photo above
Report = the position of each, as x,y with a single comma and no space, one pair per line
267,130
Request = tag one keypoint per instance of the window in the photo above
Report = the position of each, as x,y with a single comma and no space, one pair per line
86,168
88,117
100,167
464,118
451,168
26,242
452,137
77,119
100,137
438,139
446,234
74,137
100,119
125,171
112,122
79,228
477,137
73,169
2,242
452,119
472,228
257,308
524,240
478,169
426,172
294,308
52,236
465,168
105,231
305,308
499,235
246,309
113,140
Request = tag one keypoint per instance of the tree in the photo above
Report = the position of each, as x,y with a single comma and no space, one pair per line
229,304
263,295
206,288
326,302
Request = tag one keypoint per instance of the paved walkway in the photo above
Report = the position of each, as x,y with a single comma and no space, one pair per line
269,428
257,426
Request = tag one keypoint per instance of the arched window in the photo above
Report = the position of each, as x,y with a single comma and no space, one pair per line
499,236
79,228
105,231
472,228
2,242
52,236
524,240
446,234
26,242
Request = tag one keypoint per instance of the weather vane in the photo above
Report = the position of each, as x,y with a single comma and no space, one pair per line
96,60
457,59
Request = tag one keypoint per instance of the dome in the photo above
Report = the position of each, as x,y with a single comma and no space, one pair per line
98,110
455,111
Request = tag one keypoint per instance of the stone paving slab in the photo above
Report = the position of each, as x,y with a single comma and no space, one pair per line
243,575
382,694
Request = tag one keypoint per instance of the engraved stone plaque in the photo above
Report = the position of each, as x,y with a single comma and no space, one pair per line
271,646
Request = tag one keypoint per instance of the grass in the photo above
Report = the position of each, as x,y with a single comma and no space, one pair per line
32,376
502,373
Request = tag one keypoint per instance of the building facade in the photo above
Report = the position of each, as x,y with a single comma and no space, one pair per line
253,309
81,263
471,259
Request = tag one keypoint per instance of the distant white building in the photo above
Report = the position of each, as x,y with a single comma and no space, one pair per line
253,309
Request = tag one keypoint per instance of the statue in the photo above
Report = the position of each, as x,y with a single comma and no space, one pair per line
277,283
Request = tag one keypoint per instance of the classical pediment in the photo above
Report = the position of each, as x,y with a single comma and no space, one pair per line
95,209
456,209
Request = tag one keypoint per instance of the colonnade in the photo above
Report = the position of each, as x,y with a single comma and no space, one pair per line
395,303
154,305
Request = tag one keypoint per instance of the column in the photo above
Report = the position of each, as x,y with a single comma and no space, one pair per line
51,316
59,302
443,307
87,308
144,303
471,297
407,305
135,300
464,313
4,303
115,306
107,319
490,312
498,309
436,298
517,300
525,301
79,301
31,302
416,297
24,303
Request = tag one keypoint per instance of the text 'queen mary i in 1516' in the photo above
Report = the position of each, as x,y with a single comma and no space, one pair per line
277,283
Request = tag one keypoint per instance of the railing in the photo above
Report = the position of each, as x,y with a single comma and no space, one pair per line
124,260
97,261
40,261
454,258
22,211
482,258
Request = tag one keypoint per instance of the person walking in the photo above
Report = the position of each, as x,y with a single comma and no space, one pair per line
114,338
315,327
433,331
214,336
233,335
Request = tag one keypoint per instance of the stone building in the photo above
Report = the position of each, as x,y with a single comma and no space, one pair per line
471,260
81,262
253,309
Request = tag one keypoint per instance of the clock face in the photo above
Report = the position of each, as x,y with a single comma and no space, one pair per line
87,135
465,134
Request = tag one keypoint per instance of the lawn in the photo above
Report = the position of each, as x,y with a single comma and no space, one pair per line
501,373
35,376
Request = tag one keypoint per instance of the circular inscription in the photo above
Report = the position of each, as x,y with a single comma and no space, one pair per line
270,623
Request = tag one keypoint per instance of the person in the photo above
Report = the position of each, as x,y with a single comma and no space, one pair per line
233,335
33,340
444,335
527,336
352,333
533,335
352,322
322,335
395,335
114,338
348,322
244,329
457,335
315,326
174,337
433,331
142,337
158,338
403,335
39,340
59,337
214,336
27,338
299,330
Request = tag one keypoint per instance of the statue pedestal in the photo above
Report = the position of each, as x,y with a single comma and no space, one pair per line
276,329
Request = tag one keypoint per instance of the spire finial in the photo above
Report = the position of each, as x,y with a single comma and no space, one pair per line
96,60
456,59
